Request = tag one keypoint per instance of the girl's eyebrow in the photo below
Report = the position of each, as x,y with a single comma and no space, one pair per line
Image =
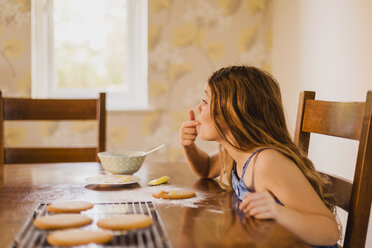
206,92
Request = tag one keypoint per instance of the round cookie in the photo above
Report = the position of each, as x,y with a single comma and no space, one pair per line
61,221
72,237
69,207
125,222
174,194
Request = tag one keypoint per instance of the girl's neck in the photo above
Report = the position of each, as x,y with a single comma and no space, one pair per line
240,157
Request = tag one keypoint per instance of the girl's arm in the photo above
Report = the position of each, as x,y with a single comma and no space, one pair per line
303,213
204,165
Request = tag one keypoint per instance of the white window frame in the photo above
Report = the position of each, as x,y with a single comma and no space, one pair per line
43,73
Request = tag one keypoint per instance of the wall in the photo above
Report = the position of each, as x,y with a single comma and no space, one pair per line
15,55
188,40
324,46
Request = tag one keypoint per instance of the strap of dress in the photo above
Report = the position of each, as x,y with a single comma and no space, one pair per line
249,159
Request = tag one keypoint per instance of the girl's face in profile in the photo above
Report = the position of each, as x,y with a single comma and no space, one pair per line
207,129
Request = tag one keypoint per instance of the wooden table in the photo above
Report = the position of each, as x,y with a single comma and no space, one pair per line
208,220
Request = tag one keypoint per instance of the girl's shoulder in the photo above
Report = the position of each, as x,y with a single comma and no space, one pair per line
271,165
271,156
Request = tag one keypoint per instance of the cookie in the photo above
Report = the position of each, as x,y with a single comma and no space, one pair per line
174,194
69,207
72,237
125,222
61,221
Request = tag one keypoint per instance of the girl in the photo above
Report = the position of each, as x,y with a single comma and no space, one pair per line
242,110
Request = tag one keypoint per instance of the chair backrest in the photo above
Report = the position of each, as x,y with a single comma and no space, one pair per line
350,120
52,109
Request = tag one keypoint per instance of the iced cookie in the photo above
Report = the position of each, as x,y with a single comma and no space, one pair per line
125,222
69,207
72,237
174,194
61,221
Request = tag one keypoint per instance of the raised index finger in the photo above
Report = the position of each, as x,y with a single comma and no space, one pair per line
191,115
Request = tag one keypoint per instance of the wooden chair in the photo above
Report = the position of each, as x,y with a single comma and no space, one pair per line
350,120
52,109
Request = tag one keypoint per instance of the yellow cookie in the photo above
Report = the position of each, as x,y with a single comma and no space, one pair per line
125,222
72,237
174,194
61,221
69,207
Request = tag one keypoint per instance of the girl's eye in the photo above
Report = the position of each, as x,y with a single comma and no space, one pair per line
204,101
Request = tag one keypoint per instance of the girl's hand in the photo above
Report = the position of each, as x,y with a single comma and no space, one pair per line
261,205
188,131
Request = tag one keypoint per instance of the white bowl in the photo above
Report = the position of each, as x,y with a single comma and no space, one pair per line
126,162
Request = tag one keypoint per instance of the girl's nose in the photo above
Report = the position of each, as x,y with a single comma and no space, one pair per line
198,108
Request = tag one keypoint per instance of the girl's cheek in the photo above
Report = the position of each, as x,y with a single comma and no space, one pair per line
202,113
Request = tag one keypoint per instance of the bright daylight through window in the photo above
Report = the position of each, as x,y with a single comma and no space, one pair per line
83,47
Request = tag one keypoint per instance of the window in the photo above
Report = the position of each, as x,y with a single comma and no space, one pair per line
82,47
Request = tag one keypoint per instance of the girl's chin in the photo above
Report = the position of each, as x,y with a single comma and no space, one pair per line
206,138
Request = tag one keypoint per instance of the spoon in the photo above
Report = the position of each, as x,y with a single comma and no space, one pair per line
153,150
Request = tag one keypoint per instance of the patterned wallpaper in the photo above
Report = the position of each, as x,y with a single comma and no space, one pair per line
188,40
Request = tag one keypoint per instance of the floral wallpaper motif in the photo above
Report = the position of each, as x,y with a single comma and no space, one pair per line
187,41
13,15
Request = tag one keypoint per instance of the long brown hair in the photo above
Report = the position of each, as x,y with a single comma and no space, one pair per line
247,101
